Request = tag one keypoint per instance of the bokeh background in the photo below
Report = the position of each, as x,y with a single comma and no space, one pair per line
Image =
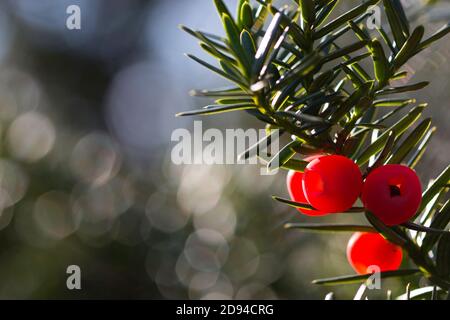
85,174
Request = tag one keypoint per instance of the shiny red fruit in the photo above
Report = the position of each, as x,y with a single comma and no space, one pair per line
393,193
295,188
371,249
332,183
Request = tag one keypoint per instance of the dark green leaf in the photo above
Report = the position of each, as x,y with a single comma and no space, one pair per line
329,41
409,48
432,206
398,26
401,126
231,70
352,61
352,75
261,145
308,206
202,37
284,94
344,51
280,64
412,87
370,126
364,104
387,149
325,12
349,15
293,203
240,5
360,71
234,42
392,113
351,102
435,187
380,62
393,234
224,101
386,39
308,12
246,16
302,117
296,165
232,92
357,139
217,70
222,8
248,44
393,102
308,65
440,221
359,32
322,3
267,43
330,227
400,11
438,35
268,66
261,116
418,293
295,31
217,109
322,79
260,16
361,278
420,228
415,158
286,153
443,256
216,53
410,142
399,75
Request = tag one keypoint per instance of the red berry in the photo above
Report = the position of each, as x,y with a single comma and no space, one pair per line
371,249
332,183
392,193
295,188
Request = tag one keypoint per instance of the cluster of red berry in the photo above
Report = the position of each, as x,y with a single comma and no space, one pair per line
333,183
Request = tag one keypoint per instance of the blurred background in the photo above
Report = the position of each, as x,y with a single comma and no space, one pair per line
86,118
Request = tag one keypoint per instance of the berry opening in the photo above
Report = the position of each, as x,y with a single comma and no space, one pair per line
395,187
395,191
